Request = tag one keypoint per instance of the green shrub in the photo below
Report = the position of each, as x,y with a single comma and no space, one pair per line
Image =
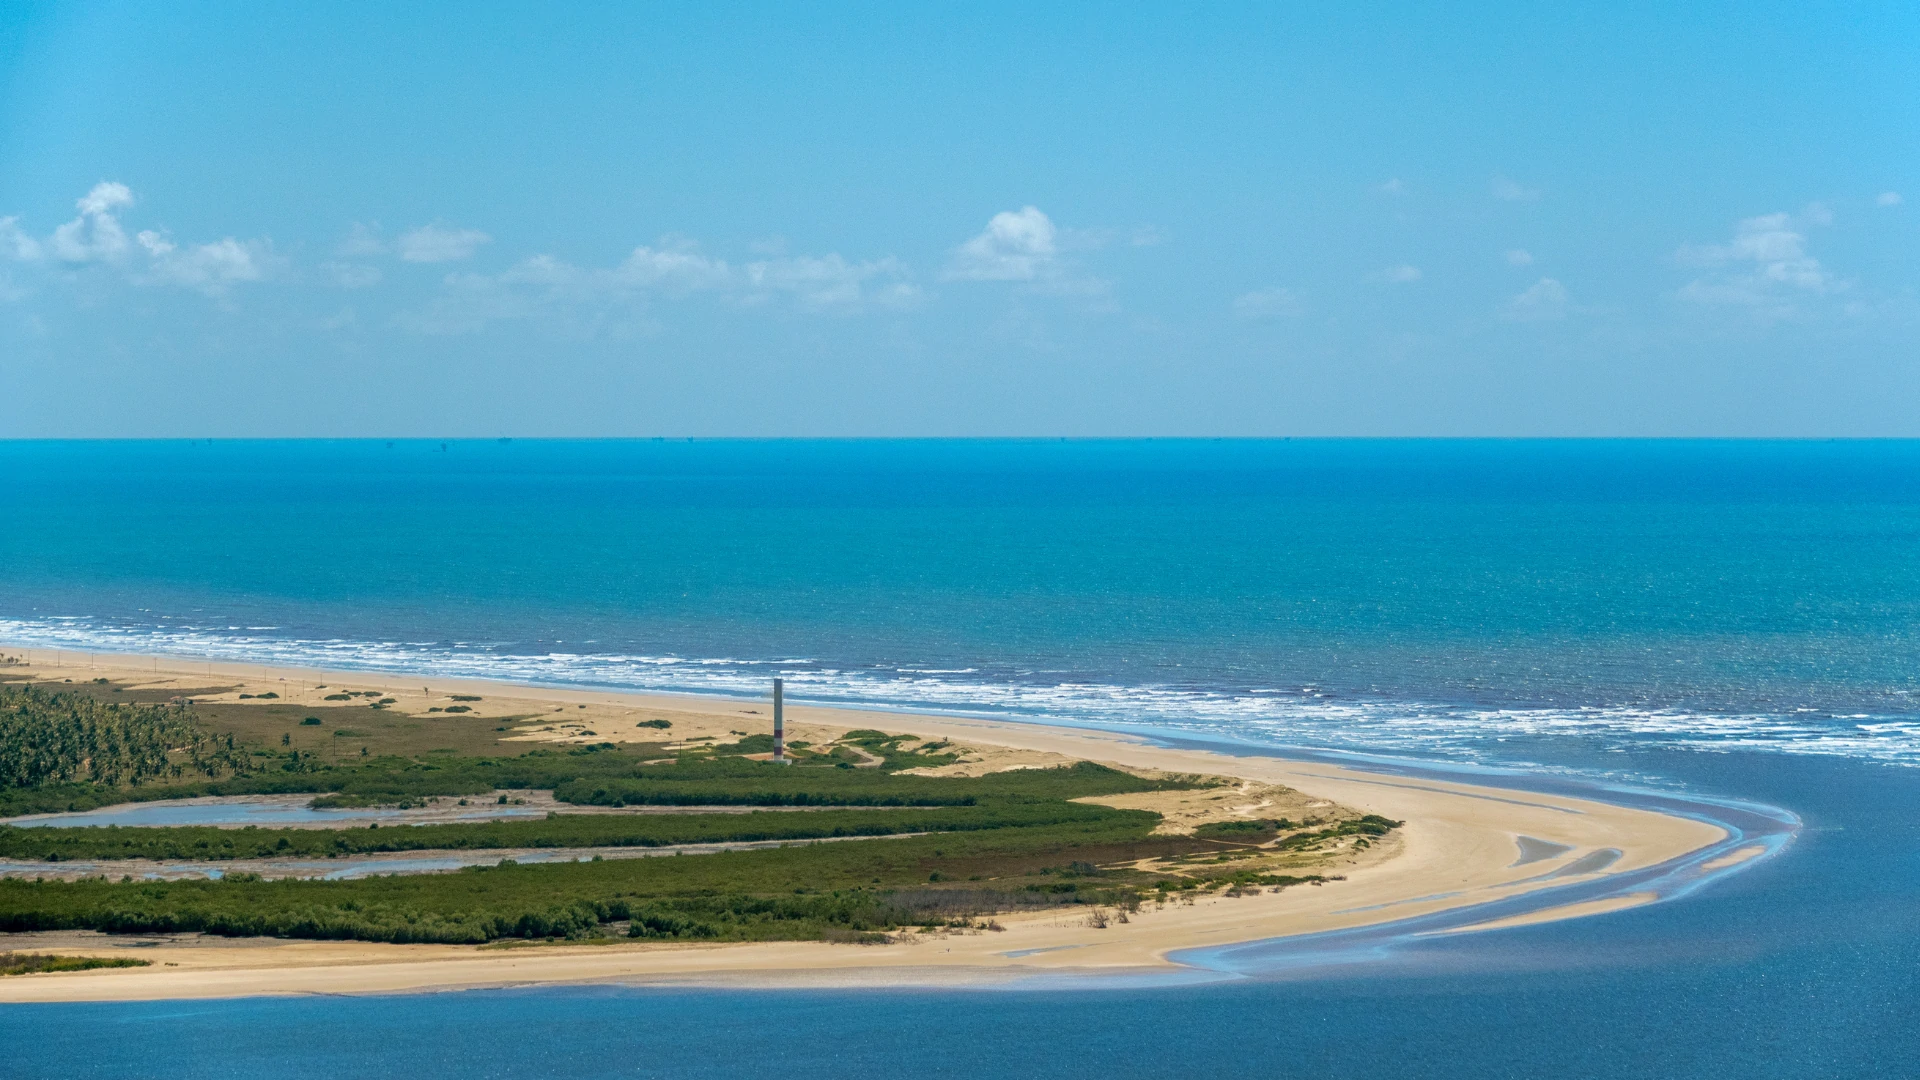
15,963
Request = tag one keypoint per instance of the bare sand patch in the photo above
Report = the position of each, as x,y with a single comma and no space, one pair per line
1734,858
1244,800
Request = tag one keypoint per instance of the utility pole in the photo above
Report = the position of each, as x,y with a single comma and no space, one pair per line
779,723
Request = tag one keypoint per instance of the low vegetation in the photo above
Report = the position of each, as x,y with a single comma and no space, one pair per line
939,851
558,831
826,891
16,963
735,781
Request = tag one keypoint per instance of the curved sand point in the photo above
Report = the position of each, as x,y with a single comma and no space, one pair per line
1456,849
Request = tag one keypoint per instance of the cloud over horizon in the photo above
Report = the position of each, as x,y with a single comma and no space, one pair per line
672,269
1544,299
1764,268
1017,245
439,243
152,258
1270,303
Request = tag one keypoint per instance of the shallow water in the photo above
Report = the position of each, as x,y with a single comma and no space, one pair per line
1806,966
264,811
370,865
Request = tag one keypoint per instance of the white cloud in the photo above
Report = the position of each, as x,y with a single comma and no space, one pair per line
1016,246
207,268
15,241
96,234
348,275
592,297
1544,299
1025,246
1402,274
151,257
1391,187
830,282
1272,303
439,243
362,240
1764,267
106,197
1888,198
1519,257
675,265
1504,188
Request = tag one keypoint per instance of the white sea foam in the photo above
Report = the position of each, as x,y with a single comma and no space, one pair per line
1305,716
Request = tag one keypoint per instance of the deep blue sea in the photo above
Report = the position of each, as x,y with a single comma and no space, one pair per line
1726,623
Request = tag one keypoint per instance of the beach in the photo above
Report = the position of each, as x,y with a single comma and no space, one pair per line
1461,845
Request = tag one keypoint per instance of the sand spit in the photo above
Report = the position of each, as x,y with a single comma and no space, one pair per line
1459,847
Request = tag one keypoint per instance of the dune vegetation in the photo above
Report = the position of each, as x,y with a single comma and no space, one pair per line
923,851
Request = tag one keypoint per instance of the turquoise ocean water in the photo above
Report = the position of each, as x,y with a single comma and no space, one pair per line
1730,624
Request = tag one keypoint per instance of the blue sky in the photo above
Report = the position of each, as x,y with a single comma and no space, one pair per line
1471,219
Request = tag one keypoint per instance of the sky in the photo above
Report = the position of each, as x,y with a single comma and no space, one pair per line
982,219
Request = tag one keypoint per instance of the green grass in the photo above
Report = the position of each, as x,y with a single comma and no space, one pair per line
994,843
818,892
727,781
372,780
595,776
13,963
564,830
810,891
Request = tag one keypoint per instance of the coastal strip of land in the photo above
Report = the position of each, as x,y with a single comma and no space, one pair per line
1458,845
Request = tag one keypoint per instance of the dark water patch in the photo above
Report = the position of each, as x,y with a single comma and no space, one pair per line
1592,863
1533,850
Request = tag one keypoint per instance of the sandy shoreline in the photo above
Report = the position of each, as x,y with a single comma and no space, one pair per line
1460,846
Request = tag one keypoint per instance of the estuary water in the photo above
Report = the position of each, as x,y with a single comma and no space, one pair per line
1720,623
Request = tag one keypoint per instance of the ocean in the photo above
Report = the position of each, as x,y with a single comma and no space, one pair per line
1728,622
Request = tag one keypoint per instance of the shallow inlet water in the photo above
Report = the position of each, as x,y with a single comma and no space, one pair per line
295,812
264,811
1723,623
372,865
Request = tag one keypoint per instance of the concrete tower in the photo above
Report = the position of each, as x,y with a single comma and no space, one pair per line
779,723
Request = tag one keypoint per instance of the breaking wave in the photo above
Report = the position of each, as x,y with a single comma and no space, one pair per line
1275,716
